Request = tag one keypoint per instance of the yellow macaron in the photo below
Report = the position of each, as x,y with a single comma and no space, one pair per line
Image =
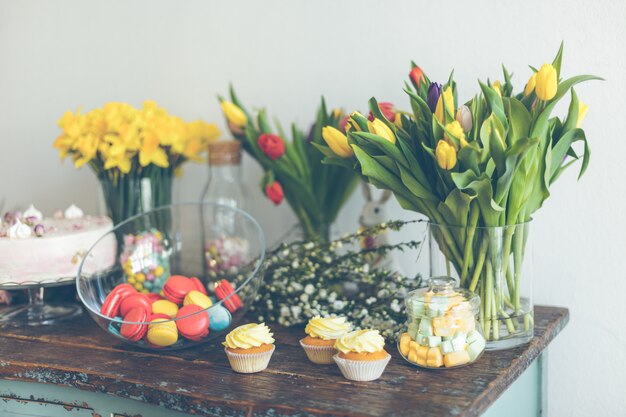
162,332
165,307
197,298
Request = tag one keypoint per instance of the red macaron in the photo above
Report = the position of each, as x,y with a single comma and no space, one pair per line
176,288
198,285
154,297
195,327
113,301
135,300
223,290
136,330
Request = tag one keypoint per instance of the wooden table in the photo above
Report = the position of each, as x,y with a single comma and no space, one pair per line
78,355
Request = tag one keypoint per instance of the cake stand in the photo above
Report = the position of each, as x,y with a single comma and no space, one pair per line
37,312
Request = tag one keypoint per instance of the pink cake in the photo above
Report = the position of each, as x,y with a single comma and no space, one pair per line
35,249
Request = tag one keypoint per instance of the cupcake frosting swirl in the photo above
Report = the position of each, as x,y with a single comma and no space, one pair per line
327,328
249,336
361,341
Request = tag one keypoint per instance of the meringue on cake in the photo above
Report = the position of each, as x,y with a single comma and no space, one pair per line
34,248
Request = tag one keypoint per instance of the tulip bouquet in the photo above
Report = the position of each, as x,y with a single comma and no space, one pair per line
132,151
478,171
294,170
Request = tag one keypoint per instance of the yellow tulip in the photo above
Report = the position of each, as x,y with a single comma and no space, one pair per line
378,127
445,155
234,114
582,112
449,97
398,120
546,82
337,141
530,85
455,129
337,113
498,87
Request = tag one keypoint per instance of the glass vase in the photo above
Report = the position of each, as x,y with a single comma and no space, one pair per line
126,195
145,262
496,264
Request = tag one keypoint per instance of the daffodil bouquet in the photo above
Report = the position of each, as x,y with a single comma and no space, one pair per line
294,170
134,152
477,170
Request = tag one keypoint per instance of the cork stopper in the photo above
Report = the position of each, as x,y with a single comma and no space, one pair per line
225,152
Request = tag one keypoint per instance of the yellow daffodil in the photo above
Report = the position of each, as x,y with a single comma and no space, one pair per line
337,141
379,128
530,85
445,155
582,112
448,95
86,148
234,114
152,153
546,83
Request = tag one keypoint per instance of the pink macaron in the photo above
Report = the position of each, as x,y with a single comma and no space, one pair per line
194,327
176,288
137,329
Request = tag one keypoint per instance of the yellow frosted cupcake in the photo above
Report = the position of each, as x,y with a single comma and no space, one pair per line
362,355
249,348
322,333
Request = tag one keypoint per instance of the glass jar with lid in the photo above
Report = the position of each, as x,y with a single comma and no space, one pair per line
442,330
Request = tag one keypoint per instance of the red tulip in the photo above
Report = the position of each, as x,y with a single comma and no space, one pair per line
272,145
343,123
387,111
417,76
274,192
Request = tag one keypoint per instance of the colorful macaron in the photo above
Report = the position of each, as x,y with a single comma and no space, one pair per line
111,305
193,322
136,300
177,287
134,327
226,293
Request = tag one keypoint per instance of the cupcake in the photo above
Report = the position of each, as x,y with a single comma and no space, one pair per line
362,355
249,348
322,333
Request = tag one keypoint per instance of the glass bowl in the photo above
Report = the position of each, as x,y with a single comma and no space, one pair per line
217,244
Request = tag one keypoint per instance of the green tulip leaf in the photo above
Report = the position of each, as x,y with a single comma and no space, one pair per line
572,113
561,149
556,63
383,144
455,208
495,103
519,119
513,155
377,172
414,186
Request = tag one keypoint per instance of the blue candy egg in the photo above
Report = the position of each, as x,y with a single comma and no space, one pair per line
220,318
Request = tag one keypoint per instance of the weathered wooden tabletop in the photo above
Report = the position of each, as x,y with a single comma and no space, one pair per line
199,381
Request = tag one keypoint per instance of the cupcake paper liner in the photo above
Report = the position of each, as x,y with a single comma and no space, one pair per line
361,370
248,363
321,355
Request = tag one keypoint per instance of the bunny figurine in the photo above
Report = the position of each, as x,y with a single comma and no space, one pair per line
374,213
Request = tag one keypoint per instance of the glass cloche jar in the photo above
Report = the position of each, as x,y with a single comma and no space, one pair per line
442,330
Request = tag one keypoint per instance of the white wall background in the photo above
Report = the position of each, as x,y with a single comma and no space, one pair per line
59,55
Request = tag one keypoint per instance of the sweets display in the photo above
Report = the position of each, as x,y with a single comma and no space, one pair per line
249,348
145,261
179,316
442,330
34,248
362,355
226,253
322,333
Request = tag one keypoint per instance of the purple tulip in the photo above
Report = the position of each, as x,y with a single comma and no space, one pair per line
434,91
